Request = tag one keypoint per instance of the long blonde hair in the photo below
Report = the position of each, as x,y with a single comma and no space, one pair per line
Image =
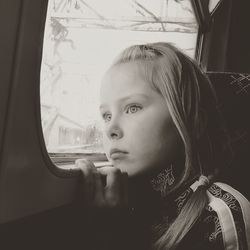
192,104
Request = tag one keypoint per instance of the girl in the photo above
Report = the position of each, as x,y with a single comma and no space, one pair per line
163,129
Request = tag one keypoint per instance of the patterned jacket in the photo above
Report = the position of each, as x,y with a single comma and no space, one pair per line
224,224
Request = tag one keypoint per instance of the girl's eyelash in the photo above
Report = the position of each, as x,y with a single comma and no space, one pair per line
105,116
136,106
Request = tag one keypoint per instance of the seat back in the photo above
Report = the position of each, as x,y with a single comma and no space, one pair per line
233,91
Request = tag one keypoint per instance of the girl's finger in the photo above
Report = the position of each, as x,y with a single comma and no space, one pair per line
88,169
99,199
113,194
124,189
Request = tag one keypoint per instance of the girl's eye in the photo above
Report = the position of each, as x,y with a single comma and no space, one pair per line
106,117
133,109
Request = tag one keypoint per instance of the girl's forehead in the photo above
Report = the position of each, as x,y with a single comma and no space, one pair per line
129,70
129,73
124,80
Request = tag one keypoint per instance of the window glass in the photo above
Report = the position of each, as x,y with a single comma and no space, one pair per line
81,39
213,4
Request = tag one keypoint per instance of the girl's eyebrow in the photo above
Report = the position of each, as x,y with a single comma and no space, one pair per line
125,98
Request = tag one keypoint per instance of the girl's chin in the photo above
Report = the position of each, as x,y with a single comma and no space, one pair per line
127,168
134,172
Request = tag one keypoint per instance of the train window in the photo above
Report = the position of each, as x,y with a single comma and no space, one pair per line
213,4
81,39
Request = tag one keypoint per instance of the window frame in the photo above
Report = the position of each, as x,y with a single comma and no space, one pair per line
67,159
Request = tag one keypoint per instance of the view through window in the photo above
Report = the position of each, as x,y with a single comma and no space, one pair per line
81,39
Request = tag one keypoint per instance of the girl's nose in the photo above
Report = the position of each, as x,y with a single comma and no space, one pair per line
115,132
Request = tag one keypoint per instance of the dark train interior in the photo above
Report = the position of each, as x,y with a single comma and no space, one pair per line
40,206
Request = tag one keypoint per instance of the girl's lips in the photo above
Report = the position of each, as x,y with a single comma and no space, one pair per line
117,153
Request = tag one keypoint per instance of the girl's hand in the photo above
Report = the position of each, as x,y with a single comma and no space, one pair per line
104,187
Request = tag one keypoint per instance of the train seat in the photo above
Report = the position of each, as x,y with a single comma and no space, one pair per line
233,91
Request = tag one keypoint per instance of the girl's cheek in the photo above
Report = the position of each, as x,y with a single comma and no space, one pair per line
105,144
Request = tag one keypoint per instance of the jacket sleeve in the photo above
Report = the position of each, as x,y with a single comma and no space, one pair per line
228,219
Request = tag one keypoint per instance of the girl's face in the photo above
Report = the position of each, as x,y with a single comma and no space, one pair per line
140,136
